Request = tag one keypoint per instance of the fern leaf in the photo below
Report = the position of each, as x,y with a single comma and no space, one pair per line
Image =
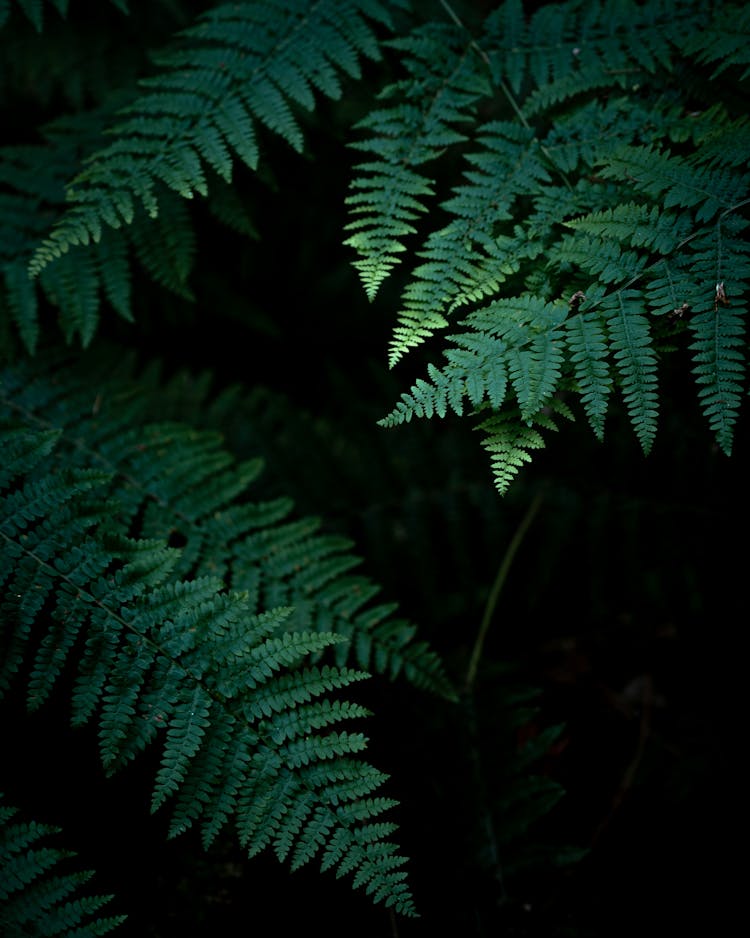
390,192
185,734
510,441
587,342
240,64
466,260
603,259
22,303
719,45
720,361
637,225
514,341
77,283
40,892
635,359
661,174
719,265
248,731
160,629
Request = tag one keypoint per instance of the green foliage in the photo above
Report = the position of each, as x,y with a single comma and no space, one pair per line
191,646
579,143
240,65
553,202
39,894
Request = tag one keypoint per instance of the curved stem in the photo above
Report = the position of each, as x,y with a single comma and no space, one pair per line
502,573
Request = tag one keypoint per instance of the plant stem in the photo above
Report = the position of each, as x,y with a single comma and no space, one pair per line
502,573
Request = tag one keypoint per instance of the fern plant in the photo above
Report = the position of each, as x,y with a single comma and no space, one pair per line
167,651
551,200
38,893
596,214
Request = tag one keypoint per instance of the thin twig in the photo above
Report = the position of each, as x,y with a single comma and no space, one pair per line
502,574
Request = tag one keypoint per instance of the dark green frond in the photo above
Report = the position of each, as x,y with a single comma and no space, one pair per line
638,225
80,282
720,266
571,48
587,341
598,200
467,260
181,661
512,341
178,481
635,360
660,174
724,42
40,890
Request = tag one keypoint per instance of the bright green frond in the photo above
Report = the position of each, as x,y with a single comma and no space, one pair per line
510,440
388,193
238,66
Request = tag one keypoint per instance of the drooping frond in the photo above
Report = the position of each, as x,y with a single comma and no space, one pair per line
245,721
390,190
466,261
239,66
598,183
635,360
181,484
720,264
40,890
587,341
80,282
468,258
510,440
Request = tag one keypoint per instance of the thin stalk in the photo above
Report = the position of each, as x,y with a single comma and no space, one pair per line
502,574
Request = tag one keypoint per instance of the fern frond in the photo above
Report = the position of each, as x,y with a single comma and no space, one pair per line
661,174
587,342
514,341
175,481
510,440
720,266
175,666
594,190
389,192
722,46
635,359
78,283
238,66
467,260
636,224
40,892
566,48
